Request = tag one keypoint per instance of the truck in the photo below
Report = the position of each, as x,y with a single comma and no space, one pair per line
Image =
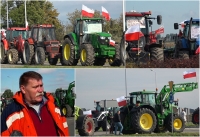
90,44
158,112
147,47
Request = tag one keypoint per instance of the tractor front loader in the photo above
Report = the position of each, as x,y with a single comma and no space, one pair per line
156,113
90,44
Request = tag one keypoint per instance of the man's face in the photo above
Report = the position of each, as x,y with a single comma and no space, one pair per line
33,91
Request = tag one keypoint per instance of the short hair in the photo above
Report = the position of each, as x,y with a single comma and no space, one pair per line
23,80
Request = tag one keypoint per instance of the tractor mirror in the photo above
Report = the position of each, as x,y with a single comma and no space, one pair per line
175,25
150,23
159,19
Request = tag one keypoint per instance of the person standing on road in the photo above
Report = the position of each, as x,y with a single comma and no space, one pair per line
33,111
117,121
183,114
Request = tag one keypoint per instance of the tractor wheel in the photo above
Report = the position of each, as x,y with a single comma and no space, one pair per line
144,121
177,122
40,56
68,54
52,61
28,53
156,54
183,54
123,121
87,128
99,61
195,116
116,61
3,56
105,125
67,111
87,55
12,56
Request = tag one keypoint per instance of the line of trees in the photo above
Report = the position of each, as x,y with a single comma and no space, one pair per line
43,12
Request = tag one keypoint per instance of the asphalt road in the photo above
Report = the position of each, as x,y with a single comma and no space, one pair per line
71,125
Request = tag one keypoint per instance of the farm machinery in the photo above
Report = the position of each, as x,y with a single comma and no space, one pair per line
147,45
65,99
157,112
187,42
42,43
85,124
90,44
12,46
195,116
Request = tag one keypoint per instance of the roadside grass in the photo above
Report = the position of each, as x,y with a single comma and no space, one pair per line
191,125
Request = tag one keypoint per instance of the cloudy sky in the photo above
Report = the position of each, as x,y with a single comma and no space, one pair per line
171,11
100,84
52,78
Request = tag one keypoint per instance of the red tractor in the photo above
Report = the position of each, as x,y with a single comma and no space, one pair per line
41,43
195,116
12,45
147,45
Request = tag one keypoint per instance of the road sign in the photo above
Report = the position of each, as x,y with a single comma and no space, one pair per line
171,97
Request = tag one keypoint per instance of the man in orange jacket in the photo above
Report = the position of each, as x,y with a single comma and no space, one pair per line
33,111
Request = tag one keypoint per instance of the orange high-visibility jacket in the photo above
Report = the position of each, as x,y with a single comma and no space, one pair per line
16,117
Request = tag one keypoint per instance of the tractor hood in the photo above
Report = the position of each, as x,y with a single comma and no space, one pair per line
103,34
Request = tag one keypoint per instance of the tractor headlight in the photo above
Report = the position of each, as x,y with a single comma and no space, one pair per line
102,37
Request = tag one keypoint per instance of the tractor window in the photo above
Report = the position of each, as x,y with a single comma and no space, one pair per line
195,30
130,21
91,26
77,28
35,33
8,35
185,31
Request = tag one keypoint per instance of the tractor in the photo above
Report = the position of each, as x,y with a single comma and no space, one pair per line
12,46
187,45
90,44
158,112
147,45
195,116
65,99
85,124
42,43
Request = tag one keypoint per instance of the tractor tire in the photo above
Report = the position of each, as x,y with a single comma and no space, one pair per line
3,56
88,127
68,54
156,54
12,56
195,116
105,125
99,61
160,129
178,122
116,61
183,54
52,61
40,56
123,121
87,55
67,111
28,53
144,121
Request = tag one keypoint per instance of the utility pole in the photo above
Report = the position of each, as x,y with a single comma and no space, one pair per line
7,14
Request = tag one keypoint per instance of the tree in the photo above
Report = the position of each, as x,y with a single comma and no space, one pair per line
7,94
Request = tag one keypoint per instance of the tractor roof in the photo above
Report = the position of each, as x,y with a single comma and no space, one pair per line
17,28
89,19
188,21
142,92
44,25
137,14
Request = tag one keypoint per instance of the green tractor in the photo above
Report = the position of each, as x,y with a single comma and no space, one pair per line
85,124
157,112
66,99
90,44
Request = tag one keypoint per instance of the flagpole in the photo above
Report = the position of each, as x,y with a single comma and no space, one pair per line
7,14
125,83
123,14
25,13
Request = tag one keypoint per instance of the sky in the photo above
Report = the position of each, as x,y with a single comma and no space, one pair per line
52,78
171,11
107,84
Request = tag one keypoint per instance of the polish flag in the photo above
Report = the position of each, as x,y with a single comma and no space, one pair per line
133,33
89,113
87,12
189,74
160,30
182,24
105,13
112,42
121,101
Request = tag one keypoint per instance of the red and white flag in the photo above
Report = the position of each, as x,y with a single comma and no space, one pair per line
160,30
105,13
112,42
133,33
87,12
121,101
182,24
189,73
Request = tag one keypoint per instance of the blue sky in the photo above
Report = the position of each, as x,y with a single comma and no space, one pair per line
100,84
171,11
52,78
